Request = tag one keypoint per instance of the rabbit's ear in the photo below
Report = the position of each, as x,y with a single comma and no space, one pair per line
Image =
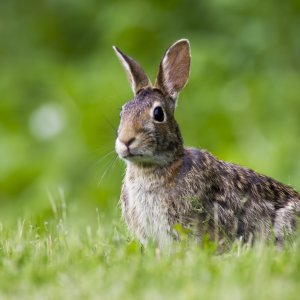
174,69
137,77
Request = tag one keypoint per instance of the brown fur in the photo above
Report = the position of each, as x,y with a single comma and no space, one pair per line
166,184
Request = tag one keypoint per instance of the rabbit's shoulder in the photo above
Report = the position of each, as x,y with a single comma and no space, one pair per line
198,167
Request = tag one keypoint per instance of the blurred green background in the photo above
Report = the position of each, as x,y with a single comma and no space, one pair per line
61,88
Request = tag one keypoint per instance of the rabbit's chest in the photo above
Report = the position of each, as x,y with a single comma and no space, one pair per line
148,211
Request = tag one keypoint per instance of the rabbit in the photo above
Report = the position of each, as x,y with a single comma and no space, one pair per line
167,184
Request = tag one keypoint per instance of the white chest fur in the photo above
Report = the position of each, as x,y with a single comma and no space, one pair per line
147,209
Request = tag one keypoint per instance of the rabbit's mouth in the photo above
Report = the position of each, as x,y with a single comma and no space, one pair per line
131,155
144,159
137,152
137,157
128,151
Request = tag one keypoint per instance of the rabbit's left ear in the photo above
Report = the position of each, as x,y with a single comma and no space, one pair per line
174,69
137,77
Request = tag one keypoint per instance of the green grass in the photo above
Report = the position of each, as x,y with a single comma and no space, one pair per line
58,260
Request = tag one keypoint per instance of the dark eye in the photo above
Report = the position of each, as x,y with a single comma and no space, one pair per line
158,114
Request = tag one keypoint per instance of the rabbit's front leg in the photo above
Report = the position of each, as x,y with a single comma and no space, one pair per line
131,216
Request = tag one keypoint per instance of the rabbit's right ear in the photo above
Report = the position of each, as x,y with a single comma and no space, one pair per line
174,69
137,77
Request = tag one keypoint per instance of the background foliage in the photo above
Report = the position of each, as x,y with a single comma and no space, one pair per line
62,86
61,89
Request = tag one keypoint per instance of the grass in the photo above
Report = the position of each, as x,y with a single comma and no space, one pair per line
59,260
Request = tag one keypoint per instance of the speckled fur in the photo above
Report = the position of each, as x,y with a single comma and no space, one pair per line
211,196
167,184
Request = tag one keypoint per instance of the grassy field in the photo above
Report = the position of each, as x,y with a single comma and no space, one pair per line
57,260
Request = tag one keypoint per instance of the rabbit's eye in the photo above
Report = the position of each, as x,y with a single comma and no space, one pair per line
158,114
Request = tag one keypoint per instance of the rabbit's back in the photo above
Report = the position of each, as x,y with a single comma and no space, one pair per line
231,201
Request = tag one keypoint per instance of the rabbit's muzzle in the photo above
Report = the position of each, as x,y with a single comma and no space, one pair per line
132,146
125,148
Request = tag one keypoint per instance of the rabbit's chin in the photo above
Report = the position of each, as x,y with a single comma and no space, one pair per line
146,159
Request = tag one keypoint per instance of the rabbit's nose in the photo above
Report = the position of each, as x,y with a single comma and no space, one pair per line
127,136
128,142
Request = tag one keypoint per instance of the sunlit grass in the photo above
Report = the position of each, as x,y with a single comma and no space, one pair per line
57,260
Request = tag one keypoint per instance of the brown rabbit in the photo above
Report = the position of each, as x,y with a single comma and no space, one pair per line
167,184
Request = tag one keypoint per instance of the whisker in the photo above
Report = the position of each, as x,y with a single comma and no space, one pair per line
95,162
114,163
107,168
112,126
104,156
101,150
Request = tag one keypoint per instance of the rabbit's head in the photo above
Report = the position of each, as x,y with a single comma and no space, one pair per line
148,132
